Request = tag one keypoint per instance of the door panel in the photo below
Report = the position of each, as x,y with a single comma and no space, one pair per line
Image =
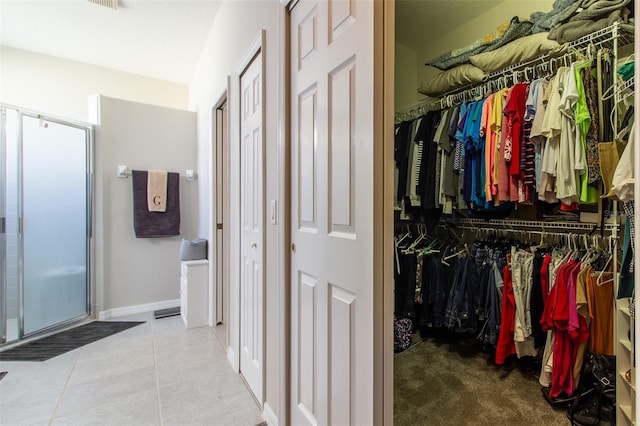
44,253
252,224
341,161
332,212
54,234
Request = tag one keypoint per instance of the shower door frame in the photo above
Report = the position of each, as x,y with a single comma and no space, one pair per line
89,163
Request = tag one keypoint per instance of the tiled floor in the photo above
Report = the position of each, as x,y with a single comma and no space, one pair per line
157,373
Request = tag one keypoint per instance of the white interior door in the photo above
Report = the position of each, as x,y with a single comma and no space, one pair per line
252,224
332,290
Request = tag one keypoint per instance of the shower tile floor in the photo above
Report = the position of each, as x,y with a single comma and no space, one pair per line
157,373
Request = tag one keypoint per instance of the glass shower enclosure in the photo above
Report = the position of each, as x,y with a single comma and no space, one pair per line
45,222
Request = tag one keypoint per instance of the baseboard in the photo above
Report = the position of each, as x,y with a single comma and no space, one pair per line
231,356
137,309
269,416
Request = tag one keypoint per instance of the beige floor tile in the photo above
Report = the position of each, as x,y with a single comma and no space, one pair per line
154,373
85,371
140,409
114,389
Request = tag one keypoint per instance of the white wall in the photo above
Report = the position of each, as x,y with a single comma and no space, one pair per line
129,270
61,87
406,76
235,28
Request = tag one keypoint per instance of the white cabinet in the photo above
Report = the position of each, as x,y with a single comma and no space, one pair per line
194,292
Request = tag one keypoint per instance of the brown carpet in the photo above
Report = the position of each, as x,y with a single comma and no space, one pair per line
448,380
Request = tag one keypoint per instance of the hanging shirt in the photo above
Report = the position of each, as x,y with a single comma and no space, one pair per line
514,113
506,345
551,128
600,299
447,179
473,153
592,139
527,163
401,156
504,187
467,137
488,134
623,178
427,184
496,135
570,164
588,194
411,193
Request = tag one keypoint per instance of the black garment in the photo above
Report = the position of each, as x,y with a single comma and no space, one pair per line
430,155
427,176
405,286
401,156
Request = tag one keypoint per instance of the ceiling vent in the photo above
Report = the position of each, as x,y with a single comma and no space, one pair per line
113,4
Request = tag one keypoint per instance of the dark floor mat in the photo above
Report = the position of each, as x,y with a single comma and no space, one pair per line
2,374
64,341
169,312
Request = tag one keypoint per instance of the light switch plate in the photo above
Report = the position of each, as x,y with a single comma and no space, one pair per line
274,210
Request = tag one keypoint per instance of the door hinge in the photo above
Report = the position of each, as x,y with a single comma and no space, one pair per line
219,226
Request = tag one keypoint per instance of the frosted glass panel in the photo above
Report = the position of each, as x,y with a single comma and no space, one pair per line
54,178
12,276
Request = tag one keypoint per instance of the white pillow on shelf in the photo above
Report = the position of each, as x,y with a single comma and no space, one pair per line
445,81
520,50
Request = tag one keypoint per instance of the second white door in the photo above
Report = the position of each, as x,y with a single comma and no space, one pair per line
252,224
332,213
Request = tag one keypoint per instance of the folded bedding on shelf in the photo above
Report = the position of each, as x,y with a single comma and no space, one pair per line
520,50
590,10
544,21
577,27
502,35
448,80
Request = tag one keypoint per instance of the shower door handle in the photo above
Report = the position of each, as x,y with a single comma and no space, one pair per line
3,225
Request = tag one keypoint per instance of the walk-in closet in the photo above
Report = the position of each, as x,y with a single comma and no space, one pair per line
514,287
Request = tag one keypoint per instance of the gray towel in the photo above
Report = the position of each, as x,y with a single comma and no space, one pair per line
593,10
155,224
576,28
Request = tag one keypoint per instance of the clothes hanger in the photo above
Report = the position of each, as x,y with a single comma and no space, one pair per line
606,265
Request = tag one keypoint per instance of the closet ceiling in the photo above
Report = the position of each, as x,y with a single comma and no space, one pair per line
156,38
419,21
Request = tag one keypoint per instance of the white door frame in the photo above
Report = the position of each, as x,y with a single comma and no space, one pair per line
384,53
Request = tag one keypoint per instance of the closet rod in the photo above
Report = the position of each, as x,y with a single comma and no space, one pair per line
415,111
502,224
577,238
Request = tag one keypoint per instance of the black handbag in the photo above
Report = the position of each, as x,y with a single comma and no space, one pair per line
595,403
